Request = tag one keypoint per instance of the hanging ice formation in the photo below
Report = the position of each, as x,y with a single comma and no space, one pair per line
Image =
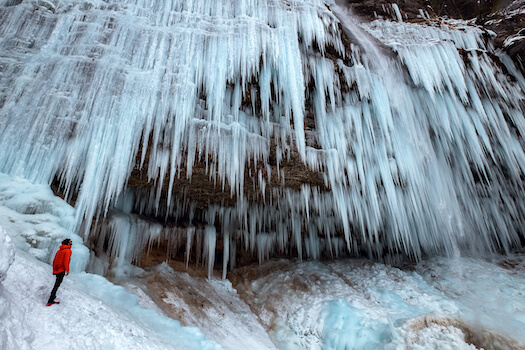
414,130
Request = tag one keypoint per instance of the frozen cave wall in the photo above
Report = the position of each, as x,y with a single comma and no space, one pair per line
231,131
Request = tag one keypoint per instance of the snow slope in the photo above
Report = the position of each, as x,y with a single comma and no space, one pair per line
93,314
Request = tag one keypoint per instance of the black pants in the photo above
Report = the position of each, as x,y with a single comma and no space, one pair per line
60,277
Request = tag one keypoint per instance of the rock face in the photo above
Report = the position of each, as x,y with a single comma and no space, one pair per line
204,191
291,173
411,10
508,24
505,18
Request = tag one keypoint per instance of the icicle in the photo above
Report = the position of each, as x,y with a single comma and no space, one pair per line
226,254
210,236
189,242
397,13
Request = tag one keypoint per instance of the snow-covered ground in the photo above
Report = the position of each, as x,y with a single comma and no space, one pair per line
354,304
442,303
92,314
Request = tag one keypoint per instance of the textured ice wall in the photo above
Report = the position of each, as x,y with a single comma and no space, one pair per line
420,147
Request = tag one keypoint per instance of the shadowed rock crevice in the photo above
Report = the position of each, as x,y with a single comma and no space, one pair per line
204,191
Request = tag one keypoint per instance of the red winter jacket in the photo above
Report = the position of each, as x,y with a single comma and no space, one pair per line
61,261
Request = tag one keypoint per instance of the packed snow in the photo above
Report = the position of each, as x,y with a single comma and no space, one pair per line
93,314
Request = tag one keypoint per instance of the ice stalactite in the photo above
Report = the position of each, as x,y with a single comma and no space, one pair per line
414,129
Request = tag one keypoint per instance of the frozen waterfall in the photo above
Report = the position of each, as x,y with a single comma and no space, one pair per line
415,129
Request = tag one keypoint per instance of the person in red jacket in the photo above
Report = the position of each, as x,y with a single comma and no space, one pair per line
60,267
